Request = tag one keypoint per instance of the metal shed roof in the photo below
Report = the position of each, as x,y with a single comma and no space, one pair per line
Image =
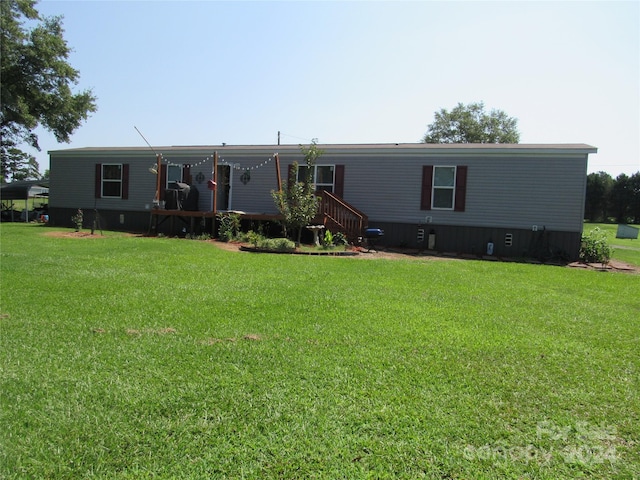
24,190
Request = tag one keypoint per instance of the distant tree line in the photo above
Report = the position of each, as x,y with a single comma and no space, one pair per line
613,200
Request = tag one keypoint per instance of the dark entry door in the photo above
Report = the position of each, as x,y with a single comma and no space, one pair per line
223,195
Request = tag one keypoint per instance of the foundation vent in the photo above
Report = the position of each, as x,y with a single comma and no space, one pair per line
508,240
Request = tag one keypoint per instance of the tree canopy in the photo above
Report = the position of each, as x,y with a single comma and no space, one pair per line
613,199
596,205
471,124
36,87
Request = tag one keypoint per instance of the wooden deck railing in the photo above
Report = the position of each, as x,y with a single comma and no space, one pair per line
339,215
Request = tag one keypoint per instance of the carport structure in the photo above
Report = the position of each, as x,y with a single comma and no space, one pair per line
24,190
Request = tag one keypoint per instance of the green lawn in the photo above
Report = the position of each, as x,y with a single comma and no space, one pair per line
128,357
624,249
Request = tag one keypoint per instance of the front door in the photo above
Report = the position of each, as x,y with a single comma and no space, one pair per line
223,192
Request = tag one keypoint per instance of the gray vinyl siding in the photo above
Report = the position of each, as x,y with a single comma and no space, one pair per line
501,192
72,183
254,196
520,193
385,188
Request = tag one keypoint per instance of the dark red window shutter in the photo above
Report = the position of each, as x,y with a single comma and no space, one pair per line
427,183
125,181
98,187
461,188
338,186
186,174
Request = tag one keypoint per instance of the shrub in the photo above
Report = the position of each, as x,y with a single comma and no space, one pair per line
340,239
327,240
202,236
229,226
277,244
595,247
254,238
274,244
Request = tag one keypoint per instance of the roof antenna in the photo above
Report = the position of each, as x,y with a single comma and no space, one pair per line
145,140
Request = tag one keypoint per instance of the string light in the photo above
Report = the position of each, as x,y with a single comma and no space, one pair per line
194,164
236,166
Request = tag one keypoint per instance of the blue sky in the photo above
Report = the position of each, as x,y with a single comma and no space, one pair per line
208,72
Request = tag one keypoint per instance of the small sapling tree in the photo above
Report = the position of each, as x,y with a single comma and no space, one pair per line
77,220
297,201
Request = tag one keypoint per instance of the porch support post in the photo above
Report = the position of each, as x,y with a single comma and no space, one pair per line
278,178
215,193
158,175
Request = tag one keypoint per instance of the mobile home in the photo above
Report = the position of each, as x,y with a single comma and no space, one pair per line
499,199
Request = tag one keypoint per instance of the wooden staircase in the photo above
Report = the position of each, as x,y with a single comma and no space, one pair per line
338,216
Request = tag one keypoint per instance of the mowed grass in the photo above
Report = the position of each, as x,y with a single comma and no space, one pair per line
128,357
624,249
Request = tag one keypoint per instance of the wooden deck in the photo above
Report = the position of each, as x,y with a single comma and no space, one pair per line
159,216
333,213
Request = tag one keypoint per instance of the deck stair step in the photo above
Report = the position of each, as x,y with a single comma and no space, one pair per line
339,216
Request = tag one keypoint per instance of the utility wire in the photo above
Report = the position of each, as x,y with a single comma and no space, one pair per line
145,140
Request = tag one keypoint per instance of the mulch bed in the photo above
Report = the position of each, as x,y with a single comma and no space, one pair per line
325,253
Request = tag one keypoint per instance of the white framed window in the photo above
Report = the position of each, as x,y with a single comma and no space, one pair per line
323,176
444,186
174,174
111,180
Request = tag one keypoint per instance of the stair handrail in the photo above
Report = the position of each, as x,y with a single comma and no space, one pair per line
336,209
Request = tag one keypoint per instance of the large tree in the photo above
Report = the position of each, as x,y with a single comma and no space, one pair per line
471,124
634,185
613,199
36,86
597,196
621,198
